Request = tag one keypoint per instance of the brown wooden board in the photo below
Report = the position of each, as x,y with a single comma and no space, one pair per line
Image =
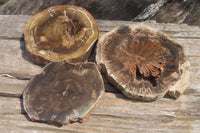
116,113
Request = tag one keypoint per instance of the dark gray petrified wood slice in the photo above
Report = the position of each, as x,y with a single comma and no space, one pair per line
63,93
143,63
63,32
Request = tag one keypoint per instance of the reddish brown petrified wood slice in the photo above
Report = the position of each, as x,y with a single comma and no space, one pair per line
63,32
63,93
143,63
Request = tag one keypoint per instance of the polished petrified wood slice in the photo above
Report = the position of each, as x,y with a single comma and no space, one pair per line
143,63
60,33
63,93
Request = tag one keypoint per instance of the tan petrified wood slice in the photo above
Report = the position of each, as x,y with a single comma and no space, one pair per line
143,63
62,32
63,93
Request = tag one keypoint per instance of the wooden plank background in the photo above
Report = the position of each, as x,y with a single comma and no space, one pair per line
116,113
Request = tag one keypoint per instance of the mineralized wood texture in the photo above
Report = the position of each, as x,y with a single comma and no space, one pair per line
142,62
63,32
116,113
63,93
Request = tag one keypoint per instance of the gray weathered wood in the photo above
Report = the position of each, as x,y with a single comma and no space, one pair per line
116,113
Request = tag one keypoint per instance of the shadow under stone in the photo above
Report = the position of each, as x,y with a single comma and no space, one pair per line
23,49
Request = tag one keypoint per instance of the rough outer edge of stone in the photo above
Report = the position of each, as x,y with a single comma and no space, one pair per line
173,91
182,85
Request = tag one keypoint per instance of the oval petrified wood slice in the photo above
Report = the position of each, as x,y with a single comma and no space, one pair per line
143,63
63,93
62,32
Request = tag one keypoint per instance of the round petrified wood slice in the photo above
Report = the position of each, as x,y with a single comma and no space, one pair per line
63,32
63,93
143,63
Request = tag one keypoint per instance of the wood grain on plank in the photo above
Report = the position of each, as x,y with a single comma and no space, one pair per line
116,113
14,86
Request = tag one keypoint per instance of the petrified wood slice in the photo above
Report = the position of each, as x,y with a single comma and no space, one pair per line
143,63
63,93
63,32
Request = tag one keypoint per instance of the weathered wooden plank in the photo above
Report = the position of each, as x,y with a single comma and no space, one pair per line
191,46
175,33
11,87
101,125
14,59
14,18
14,87
153,24
12,27
116,113
12,55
